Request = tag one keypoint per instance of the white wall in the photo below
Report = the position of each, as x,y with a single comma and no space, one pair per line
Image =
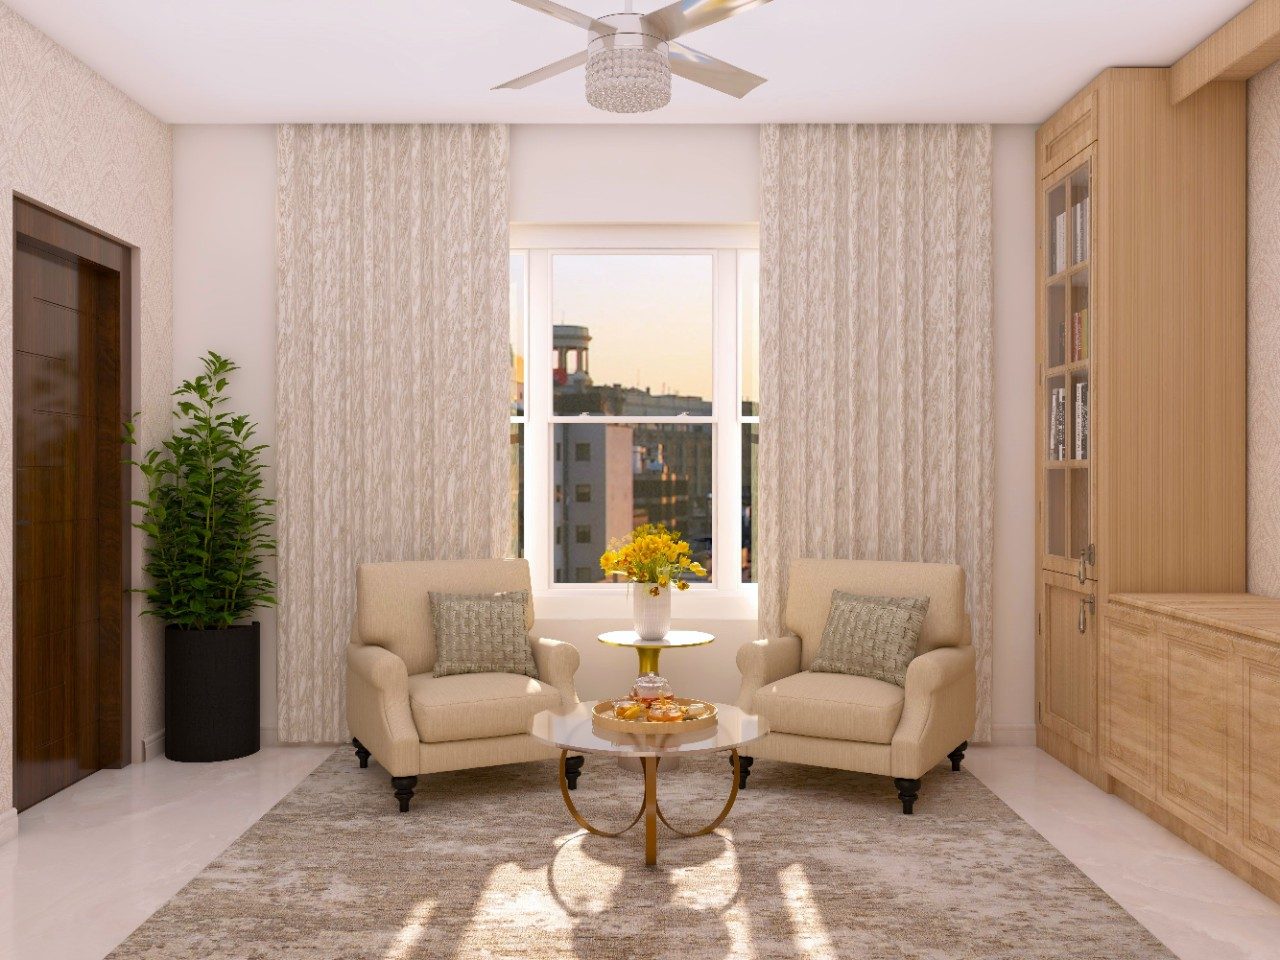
1013,234
224,188
224,287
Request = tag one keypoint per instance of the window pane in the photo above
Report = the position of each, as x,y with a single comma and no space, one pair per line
749,325
632,334
636,473
518,290
516,494
750,477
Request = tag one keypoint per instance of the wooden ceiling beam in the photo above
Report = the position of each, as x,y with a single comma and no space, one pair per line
1245,45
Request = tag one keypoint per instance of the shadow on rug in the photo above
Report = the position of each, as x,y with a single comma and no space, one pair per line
487,863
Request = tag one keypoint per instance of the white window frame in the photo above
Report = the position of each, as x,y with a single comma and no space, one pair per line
726,597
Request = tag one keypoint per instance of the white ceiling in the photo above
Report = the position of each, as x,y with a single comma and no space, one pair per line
249,61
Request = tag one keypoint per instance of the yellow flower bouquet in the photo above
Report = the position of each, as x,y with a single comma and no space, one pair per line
652,555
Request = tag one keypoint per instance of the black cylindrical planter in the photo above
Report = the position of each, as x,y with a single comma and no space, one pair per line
211,682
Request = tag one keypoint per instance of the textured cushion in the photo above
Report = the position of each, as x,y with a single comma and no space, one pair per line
481,633
393,610
832,705
872,637
810,583
474,705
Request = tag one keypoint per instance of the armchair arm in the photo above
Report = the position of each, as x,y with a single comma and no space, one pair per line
378,708
766,661
939,710
557,662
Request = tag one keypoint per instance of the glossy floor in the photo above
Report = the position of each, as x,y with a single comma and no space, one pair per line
93,862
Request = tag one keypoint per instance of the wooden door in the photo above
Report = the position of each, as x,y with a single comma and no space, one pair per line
70,668
1068,656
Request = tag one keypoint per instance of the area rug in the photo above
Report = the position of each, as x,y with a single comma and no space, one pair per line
488,864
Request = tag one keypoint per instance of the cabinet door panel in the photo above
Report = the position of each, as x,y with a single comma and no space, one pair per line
1196,702
1068,704
1128,701
1262,758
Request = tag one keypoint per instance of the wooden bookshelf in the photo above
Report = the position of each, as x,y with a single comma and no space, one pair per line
1141,234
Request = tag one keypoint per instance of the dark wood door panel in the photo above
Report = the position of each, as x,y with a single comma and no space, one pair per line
70,494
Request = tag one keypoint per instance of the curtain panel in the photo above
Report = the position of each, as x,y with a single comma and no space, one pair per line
876,356
392,376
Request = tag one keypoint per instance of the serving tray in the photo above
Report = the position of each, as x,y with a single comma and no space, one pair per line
602,717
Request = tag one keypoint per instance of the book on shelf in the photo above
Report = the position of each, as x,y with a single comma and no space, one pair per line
1080,231
1058,423
1082,420
1058,258
1080,334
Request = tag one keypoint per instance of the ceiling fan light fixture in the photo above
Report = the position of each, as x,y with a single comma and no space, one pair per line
629,79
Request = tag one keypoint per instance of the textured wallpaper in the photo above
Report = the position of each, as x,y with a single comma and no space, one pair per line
71,141
1264,333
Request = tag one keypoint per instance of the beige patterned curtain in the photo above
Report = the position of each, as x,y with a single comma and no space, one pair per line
876,355
392,376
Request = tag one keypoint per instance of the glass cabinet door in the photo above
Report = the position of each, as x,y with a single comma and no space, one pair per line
1066,398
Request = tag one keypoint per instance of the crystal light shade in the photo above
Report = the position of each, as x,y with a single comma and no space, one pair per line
629,79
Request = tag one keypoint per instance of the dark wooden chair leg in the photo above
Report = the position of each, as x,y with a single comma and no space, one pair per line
573,770
362,754
404,790
744,769
908,792
956,755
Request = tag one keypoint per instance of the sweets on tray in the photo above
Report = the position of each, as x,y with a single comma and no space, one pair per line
651,700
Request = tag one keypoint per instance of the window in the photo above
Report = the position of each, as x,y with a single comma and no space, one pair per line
648,410
518,295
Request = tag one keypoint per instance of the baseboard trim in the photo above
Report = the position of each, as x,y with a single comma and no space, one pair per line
1013,734
153,746
8,825
269,736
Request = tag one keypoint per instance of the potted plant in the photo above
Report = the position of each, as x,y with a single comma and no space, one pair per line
653,559
208,529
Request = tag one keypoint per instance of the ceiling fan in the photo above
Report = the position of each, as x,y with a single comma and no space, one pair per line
630,56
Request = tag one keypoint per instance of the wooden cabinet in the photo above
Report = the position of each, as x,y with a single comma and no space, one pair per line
1068,701
1140,405
1189,706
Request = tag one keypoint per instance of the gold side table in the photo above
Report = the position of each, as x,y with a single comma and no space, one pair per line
647,651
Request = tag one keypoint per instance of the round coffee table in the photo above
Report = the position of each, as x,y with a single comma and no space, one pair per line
647,650
572,730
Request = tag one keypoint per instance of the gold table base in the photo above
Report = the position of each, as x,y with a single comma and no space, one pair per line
649,809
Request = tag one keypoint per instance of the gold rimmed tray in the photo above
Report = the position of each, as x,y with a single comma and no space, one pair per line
602,717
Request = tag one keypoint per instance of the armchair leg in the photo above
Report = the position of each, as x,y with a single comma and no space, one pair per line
573,770
744,769
956,755
908,792
362,754
404,790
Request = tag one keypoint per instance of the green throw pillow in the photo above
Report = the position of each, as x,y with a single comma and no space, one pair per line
481,633
874,637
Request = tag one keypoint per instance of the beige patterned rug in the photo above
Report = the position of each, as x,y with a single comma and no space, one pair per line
487,864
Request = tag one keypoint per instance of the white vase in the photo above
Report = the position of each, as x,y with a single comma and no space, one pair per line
650,615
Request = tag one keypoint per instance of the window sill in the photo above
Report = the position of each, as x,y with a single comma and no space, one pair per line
609,602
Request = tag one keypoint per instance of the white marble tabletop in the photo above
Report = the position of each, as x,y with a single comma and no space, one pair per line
674,638
573,730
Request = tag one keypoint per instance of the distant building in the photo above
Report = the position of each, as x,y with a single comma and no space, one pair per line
613,477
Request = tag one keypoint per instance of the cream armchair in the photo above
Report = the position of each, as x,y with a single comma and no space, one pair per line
856,723
414,723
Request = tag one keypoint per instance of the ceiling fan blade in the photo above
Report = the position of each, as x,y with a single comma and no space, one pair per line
685,16
711,72
567,15
544,73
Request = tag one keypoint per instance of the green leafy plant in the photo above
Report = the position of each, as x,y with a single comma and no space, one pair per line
207,522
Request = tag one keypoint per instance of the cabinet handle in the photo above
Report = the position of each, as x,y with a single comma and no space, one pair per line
1086,607
1080,574
1086,557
